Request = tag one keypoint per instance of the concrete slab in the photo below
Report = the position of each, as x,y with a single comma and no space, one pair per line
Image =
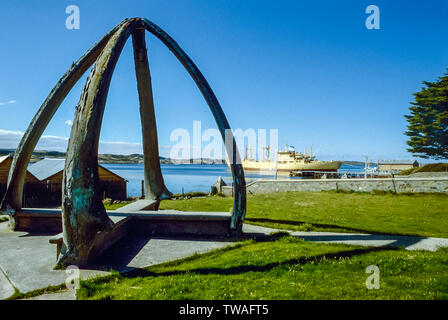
170,222
28,259
6,287
138,205
138,251
155,214
174,215
33,219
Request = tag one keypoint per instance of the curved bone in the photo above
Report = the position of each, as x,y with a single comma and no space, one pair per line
13,196
84,216
239,184
12,199
83,213
154,185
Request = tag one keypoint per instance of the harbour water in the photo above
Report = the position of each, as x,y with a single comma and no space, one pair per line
191,177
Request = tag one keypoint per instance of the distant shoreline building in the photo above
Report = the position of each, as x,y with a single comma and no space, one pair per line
31,182
5,166
396,165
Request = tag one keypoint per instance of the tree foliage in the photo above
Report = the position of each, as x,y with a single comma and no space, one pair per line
428,120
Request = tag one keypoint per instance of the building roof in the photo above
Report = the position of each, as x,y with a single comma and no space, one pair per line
3,158
46,168
5,166
49,167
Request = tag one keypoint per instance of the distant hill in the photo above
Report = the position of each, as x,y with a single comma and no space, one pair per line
355,163
37,155
110,158
129,159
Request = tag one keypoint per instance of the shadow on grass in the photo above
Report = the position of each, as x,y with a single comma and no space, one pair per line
119,256
141,272
255,268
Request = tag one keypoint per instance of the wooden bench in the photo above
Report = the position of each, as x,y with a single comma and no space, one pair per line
57,239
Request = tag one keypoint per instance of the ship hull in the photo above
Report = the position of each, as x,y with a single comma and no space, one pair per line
327,166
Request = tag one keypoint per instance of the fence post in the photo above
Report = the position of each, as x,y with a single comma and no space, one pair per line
393,183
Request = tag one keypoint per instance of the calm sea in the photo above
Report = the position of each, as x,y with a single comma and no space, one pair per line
190,177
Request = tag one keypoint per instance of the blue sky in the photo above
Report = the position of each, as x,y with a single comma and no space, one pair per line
310,69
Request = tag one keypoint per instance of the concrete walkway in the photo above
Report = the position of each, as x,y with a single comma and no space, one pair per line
142,204
26,260
360,239
6,287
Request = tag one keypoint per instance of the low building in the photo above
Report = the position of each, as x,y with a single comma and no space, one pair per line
31,182
50,172
396,166
5,166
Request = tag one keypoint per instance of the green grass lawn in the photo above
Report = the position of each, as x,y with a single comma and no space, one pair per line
283,268
417,214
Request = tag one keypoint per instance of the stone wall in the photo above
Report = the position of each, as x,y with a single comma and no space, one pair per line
398,185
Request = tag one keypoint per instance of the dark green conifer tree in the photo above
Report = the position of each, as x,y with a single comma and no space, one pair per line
428,121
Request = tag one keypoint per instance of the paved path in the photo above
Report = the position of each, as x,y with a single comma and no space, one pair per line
361,239
142,204
26,260
6,287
